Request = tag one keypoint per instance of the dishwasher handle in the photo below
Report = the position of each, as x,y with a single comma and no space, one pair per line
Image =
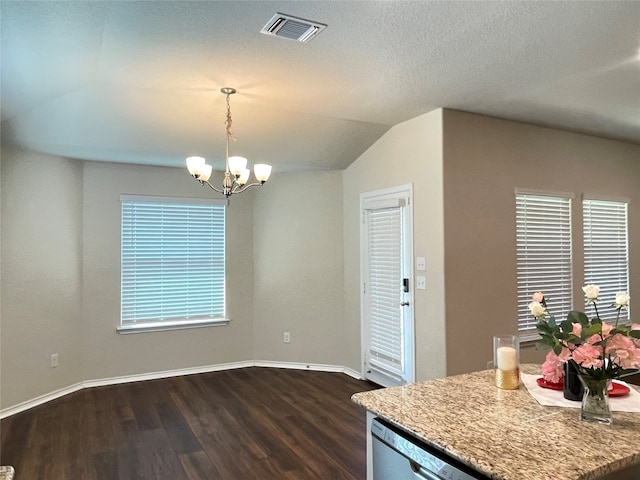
421,472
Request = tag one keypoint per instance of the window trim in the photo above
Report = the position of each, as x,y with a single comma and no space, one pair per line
169,199
170,324
167,326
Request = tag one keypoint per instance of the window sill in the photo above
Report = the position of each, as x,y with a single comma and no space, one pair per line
164,326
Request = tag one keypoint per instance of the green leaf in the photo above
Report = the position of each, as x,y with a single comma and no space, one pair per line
621,330
591,330
574,339
543,327
634,333
575,316
548,341
567,326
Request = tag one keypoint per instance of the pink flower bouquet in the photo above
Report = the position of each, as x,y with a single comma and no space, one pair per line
600,350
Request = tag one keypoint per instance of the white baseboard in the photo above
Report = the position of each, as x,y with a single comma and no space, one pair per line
165,374
318,367
353,373
34,402
21,407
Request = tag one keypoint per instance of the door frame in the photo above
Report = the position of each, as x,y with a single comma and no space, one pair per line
399,192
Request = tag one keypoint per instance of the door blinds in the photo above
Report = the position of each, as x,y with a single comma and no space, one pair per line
384,290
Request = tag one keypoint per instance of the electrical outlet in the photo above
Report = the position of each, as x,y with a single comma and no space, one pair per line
421,282
54,360
286,337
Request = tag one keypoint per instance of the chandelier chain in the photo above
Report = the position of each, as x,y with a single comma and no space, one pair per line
228,121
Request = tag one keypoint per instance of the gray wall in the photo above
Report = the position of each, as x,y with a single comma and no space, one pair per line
298,274
485,159
41,279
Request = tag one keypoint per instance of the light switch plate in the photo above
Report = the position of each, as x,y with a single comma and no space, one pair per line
421,282
421,264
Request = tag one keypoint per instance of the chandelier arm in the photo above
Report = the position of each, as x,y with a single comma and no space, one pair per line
212,187
242,189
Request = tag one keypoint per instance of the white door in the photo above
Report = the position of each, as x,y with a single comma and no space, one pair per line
387,286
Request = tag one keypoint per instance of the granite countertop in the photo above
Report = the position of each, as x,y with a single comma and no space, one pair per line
507,434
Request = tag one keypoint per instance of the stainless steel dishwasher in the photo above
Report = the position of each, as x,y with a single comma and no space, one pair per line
399,456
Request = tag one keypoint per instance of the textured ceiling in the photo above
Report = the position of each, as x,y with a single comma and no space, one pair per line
139,81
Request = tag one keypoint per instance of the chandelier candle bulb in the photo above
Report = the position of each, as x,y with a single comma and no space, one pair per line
506,361
244,176
262,172
205,172
237,165
195,164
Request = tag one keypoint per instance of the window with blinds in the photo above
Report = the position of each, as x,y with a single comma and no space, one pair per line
606,253
543,244
172,262
384,291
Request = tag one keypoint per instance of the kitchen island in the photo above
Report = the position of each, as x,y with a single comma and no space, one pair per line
507,434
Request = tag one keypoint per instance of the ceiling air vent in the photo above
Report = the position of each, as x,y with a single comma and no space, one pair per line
293,28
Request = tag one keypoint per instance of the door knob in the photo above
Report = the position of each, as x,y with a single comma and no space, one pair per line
404,304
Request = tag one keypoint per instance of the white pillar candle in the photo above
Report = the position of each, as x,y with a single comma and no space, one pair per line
506,358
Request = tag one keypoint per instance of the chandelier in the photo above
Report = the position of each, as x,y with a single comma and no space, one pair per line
236,173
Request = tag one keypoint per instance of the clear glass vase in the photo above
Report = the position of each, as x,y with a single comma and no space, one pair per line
595,400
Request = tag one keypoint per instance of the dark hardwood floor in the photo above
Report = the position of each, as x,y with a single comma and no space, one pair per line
245,424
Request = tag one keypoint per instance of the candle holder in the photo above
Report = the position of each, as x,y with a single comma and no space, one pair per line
506,361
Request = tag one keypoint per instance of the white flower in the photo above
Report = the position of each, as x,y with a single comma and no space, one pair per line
591,292
622,300
537,309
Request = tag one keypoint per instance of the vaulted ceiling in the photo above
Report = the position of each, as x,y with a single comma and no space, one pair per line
139,81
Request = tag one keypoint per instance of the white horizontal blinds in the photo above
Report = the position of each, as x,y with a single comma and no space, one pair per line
384,287
173,261
543,231
606,252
